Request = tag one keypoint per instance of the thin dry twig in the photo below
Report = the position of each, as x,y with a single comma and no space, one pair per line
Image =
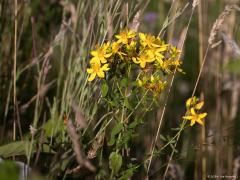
236,167
80,120
77,148
15,68
219,22
42,91
136,21
195,3
183,38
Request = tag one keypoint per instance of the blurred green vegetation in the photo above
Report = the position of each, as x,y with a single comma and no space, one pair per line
52,49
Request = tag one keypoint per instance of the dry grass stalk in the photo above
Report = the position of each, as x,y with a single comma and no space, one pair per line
236,167
77,148
110,26
125,11
136,21
219,22
41,92
80,120
98,142
195,3
175,172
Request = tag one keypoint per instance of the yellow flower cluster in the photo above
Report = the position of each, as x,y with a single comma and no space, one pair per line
140,49
193,106
153,84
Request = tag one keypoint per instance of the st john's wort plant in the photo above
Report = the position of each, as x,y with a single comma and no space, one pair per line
132,71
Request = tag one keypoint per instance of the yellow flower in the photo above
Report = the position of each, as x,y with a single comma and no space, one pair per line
195,117
147,40
125,36
139,82
97,70
143,59
155,53
101,54
160,43
174,52
194,102
199,105
131,46
116,49
152,79
191,101
170,65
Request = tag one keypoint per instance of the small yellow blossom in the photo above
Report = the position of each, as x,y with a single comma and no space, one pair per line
195,117
147,40
170,65
101,54
116,49
155,53
191,101
174,52
140,83
154,84
194,102
152,79
125,36
143,59
97,70
131,47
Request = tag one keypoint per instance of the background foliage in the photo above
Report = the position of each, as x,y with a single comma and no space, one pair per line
50,115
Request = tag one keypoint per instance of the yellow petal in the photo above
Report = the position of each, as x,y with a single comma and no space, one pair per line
95,60
107,55
92,77
105,67
188,102
94,53
135,60
200,121
192,123
199,105
203,115
142,36
155,45
150,60
89,70
101,74
152,78
192,110
162,48
142,64
160,61
118,36
140,83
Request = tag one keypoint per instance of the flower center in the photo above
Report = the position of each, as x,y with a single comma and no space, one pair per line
96,67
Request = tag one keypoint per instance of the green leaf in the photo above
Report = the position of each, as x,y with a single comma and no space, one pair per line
53,127
124,82
176,129
9,170
233,66
14,149
127,104
163,138
115,162
129,172
173,148
104,89
114,132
